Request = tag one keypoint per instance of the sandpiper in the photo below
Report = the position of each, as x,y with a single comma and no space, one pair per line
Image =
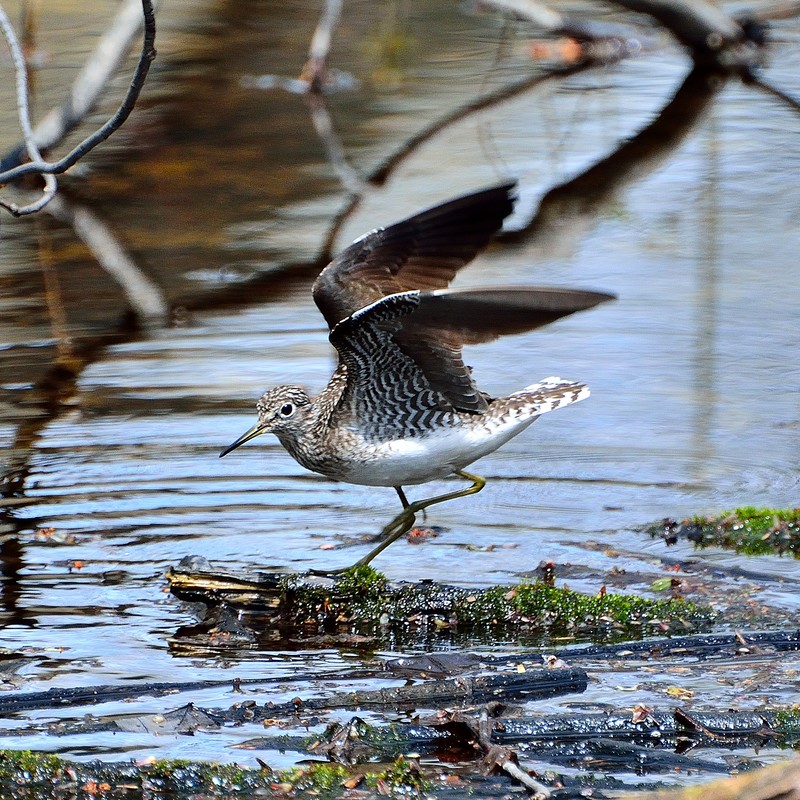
401,408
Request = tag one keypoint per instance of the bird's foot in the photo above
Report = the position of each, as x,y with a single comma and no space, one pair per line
391,533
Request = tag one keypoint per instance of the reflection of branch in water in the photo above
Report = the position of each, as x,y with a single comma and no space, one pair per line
698,24
264,286
50,394
381,173
11,563
542,16
316,76
54,299
773,91
145,298
323,125
583,196
558,24
315,71
326,250
46,400
567,210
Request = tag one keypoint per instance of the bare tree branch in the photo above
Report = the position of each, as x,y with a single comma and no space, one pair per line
85,92
30,145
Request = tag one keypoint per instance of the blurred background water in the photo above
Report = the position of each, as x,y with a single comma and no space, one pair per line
221,194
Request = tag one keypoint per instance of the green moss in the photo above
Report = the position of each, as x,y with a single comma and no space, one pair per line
25,770
543,606
179,775
787,720
29,769
324,778
166,768
365,600
29,766
749,530
359,593
364,581
402,777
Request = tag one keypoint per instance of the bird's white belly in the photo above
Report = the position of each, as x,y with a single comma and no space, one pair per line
404,462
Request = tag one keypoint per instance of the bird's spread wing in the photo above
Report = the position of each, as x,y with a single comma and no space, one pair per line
422,252
402,354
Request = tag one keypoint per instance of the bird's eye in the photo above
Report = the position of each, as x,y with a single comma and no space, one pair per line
287,409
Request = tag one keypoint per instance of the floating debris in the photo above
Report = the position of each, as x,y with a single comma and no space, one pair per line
749,530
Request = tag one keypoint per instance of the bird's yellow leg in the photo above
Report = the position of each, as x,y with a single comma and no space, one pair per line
404,521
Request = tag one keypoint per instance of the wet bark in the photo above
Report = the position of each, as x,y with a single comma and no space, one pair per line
364,602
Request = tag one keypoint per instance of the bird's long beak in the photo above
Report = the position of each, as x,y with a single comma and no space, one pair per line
256,430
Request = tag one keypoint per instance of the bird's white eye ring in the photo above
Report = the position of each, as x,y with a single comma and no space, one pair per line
287,409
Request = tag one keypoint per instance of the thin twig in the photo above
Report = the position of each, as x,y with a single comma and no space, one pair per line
50,184
499,757
83,97
540,791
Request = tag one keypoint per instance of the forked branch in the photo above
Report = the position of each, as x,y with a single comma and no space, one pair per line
85,93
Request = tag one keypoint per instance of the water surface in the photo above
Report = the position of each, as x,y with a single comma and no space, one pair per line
110,434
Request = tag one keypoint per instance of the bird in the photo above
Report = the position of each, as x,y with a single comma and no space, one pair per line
402,408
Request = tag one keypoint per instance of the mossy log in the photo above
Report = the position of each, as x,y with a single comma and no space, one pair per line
365,600
24,774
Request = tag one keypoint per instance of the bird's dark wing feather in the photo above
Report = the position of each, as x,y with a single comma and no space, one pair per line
422,252
408,345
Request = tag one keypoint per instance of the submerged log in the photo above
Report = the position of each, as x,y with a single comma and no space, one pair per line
23,774
431,665
474,688
699,647
565,735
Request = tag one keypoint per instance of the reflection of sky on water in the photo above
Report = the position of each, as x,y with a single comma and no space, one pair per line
694,369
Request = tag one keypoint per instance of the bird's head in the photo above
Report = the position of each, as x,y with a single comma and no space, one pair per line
281,411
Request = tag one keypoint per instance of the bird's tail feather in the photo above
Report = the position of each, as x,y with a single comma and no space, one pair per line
553,392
